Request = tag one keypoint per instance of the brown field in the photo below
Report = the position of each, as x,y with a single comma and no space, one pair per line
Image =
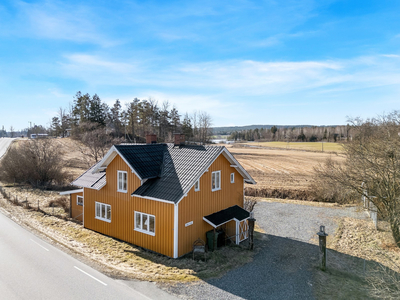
281,169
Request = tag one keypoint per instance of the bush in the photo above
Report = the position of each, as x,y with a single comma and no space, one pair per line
35,162
60,202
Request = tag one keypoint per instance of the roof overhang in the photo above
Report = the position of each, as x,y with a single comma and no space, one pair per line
235,164
71,192
108,158
224,216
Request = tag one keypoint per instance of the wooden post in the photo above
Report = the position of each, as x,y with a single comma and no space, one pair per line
322,246
251,222
215,239
38,205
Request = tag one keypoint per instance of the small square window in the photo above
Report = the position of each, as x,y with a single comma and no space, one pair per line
145,223
103,212
197,186
232,177
79,200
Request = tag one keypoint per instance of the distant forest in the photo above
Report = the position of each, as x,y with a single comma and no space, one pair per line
300,133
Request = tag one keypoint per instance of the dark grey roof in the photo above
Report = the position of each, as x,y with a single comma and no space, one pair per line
226,215
89,180
146,160
181,167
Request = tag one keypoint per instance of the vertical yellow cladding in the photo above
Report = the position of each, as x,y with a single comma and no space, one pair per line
204,202
76,210
123,206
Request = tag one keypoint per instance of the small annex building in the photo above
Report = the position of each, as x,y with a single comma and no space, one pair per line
163,197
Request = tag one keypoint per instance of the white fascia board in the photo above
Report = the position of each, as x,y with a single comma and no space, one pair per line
133,170
151,198
103,161
108,158
71,192
239,167
200,174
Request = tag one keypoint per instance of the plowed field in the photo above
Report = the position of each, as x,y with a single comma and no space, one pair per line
276,169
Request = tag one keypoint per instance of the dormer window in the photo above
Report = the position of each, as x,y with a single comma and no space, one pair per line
197,185
122,181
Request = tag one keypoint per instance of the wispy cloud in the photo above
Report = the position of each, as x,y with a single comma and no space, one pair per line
57,20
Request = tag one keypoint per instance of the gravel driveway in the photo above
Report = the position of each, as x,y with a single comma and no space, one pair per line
282,269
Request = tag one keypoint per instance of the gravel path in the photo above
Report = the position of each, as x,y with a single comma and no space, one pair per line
282,269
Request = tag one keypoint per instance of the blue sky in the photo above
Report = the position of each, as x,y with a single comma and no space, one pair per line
244,62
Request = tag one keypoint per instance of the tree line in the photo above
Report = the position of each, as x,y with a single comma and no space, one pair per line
295,134
132,122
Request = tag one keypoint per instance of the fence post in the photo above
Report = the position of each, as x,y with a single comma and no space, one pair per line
322,246
251,221
38,205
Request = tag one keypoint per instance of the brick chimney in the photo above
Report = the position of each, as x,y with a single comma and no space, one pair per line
179,139
151,139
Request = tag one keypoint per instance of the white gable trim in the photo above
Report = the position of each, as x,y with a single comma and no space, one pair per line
238,166
176,230
151,198
108,158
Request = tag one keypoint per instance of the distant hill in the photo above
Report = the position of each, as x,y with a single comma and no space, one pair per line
230,129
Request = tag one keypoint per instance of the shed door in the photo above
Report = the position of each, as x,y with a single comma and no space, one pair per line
242,232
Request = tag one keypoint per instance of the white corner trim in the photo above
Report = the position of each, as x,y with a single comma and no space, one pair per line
71,192
176,230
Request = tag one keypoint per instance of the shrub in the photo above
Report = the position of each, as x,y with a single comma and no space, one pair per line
35,162
60,202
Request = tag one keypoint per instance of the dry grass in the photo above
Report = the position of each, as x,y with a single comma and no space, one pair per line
356,253
119,258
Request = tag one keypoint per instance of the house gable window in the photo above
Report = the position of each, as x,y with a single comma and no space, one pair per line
232,177
103,212
122,181
197,186
79,200
145,223
216,181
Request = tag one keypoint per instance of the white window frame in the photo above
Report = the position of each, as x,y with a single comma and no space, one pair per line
196,189
122,190
141,227
98,211
77,200
232,177
215,175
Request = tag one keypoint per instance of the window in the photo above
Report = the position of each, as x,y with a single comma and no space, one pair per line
197,186
216,181
122,176
103,212
145,223
79,200
232,177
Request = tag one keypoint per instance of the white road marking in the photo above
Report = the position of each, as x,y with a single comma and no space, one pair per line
40,245
90,275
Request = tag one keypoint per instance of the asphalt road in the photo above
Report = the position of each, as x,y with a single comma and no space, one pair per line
4,144
32,269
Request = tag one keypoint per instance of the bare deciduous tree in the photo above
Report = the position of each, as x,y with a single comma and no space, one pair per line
372,166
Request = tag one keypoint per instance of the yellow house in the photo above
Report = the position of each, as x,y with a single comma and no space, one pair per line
163,197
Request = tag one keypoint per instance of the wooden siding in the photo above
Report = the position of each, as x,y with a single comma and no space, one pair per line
204,202
76,210
123,206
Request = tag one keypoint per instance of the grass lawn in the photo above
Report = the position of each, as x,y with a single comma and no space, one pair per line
314,146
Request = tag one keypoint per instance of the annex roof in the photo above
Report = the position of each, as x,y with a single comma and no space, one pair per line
90,180
224,216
